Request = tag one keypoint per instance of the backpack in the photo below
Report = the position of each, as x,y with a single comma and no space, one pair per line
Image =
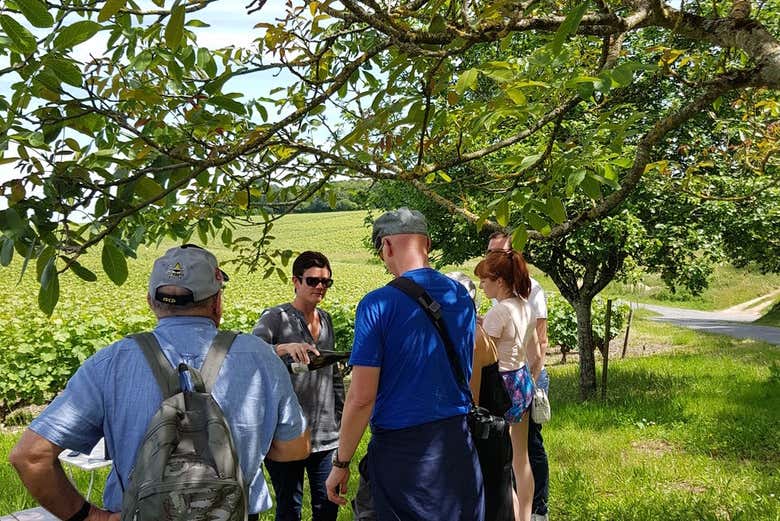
186,467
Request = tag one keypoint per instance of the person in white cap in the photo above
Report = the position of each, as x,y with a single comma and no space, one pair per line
114,394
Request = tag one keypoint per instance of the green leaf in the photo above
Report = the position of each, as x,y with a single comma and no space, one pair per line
175,28
538,222
6,251
241,198
66,71
206,61
43,260
82,272
203,232
49,293
18,192
591,187
230,104
568,27
438,24
262,111
76,33
467,80
11,222
623,74
502,212
499,75
147,188
521,162
555,209
227,236
516,95
110,8
519,238
36,12
114,263
23,41
22,249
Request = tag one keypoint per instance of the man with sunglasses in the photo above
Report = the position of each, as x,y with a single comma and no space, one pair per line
297,330
500,241
421,461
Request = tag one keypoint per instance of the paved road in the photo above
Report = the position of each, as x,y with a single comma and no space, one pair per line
720,322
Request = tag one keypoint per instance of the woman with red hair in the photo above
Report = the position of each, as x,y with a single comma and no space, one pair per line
503,275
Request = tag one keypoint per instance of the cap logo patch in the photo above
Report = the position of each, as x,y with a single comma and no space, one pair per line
175,271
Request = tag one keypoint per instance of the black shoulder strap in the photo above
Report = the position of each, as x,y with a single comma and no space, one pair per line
214,358
167,378
433,310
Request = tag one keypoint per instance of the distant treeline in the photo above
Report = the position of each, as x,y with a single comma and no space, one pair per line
337,196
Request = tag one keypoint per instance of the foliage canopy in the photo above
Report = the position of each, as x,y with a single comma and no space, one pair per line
145,138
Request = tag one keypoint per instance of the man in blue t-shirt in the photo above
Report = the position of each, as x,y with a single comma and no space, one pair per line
421,461
114,395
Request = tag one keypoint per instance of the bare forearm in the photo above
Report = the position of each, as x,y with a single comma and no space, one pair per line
541,334
47,483
35,459
42,475
353,425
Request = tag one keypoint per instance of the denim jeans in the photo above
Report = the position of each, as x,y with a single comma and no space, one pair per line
287,480
538,456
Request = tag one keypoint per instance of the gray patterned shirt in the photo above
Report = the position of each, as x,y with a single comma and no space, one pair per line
315,389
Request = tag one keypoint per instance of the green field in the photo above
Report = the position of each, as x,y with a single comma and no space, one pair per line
690,433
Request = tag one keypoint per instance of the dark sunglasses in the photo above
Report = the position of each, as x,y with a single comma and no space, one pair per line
314,281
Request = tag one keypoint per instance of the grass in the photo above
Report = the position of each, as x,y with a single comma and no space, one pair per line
691,433
728,287
772,317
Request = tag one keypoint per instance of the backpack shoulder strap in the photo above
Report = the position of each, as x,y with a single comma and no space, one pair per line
433,310
214,358
167,378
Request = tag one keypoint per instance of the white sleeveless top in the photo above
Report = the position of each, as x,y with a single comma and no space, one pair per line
508,321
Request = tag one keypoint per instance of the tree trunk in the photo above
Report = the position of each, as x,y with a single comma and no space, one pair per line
586,347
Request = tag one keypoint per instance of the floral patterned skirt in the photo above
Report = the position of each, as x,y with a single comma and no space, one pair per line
520,387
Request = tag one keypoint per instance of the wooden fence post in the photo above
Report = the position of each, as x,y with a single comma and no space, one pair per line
605,351
628,328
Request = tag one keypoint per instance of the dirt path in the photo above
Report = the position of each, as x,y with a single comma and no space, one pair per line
757,306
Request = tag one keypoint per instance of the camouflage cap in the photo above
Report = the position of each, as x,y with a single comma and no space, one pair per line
398,222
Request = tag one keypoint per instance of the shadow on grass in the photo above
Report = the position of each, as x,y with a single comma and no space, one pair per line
717,403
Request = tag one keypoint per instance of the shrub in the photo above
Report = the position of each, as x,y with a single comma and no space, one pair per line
562,321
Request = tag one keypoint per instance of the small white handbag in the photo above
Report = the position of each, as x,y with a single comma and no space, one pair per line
540,408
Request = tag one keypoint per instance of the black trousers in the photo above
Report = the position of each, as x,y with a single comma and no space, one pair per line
539,467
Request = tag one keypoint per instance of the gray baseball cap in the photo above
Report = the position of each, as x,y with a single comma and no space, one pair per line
397,222
190,267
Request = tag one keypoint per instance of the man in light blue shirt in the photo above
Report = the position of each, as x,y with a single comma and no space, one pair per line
114,395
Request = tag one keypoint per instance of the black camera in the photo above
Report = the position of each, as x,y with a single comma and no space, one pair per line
484,425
